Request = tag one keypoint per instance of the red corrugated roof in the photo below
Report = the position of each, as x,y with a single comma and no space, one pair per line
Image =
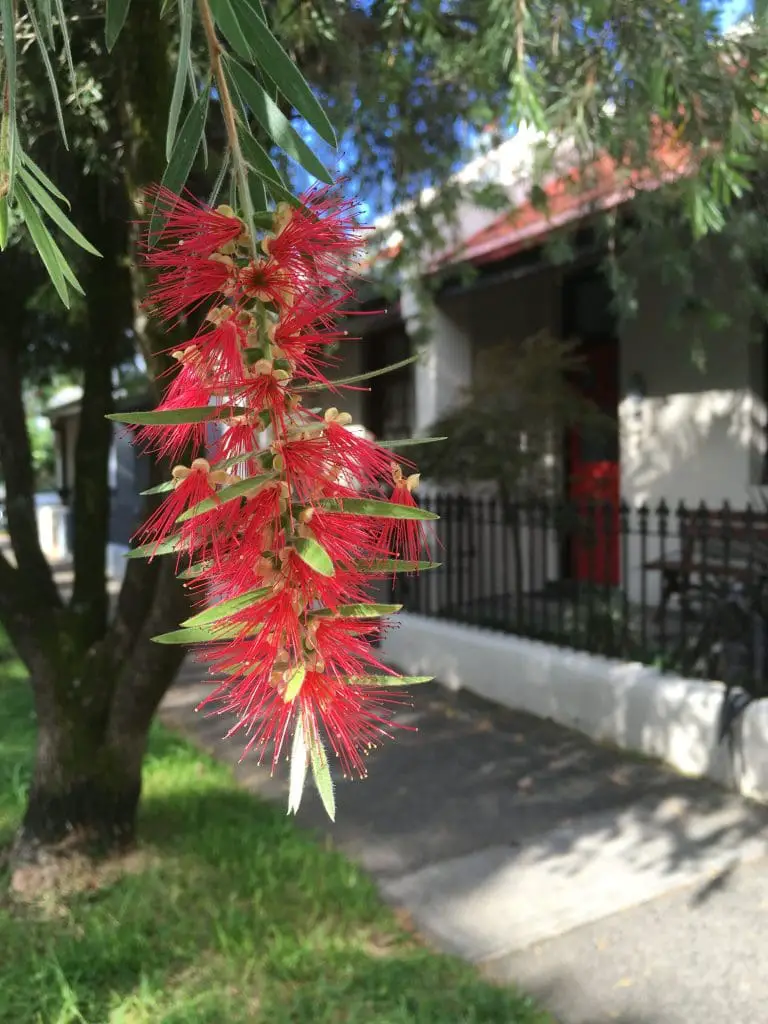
603,186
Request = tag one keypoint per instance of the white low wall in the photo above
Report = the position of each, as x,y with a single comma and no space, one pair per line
627,704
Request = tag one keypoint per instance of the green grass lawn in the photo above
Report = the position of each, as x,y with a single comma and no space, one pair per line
227,913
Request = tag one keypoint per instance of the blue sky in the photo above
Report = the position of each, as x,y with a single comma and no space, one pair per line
732,10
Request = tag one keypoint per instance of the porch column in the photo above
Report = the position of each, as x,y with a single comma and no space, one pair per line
444,369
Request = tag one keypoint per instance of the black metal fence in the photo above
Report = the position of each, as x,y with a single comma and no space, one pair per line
682,589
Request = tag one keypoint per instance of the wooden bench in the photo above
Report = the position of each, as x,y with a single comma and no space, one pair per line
713,543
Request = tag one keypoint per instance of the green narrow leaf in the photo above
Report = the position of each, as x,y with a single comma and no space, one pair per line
390,565
257,8
3,222
67,48
194,93
357,611
47,18
375,508
67,271
43,243
273,120
196,635
166,547
294,683
229,493
314,555
9,80
276,63
60,219
321,773
360,376
192,414
195,570
299,765
408,442
225,608
183,156
258,193
43,46
43,178
168,485
260,163
213,198
180,79
117,12
380,680
229,25
235,460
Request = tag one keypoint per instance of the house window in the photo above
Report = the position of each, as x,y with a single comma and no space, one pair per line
397,408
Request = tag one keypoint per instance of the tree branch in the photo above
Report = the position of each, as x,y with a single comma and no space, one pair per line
34,573
146,677
228,112
110,313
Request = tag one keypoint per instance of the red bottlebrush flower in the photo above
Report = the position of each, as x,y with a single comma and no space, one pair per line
268,281
305,461
318,239
362,461
354,719
303,340
171,440
205,529
186,281
345,644
330,591
263,629
347,539
261,389
191,485
220,352
238,439
194,225
296,649
237,556
403,538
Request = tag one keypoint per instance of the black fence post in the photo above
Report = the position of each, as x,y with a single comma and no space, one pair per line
642,522
624,569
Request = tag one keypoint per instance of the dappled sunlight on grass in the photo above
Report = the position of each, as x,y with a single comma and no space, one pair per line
226,914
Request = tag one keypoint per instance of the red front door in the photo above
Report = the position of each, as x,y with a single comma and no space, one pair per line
593,486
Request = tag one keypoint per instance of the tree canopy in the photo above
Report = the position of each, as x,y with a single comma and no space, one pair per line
410,89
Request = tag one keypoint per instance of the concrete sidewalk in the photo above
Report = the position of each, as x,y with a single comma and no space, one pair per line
606,886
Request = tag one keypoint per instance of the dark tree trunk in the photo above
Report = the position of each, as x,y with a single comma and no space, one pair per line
97,682
84,789
93,725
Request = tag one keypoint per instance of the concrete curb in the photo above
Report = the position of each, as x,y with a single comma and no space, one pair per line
630,705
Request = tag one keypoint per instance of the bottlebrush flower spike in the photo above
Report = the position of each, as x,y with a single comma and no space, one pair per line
283,520
194,226
191,485
187,280
403,538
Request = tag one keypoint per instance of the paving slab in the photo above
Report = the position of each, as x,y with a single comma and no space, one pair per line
503,899
697,954
504,835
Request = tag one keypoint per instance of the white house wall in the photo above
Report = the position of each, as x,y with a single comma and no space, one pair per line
698,433
695,435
